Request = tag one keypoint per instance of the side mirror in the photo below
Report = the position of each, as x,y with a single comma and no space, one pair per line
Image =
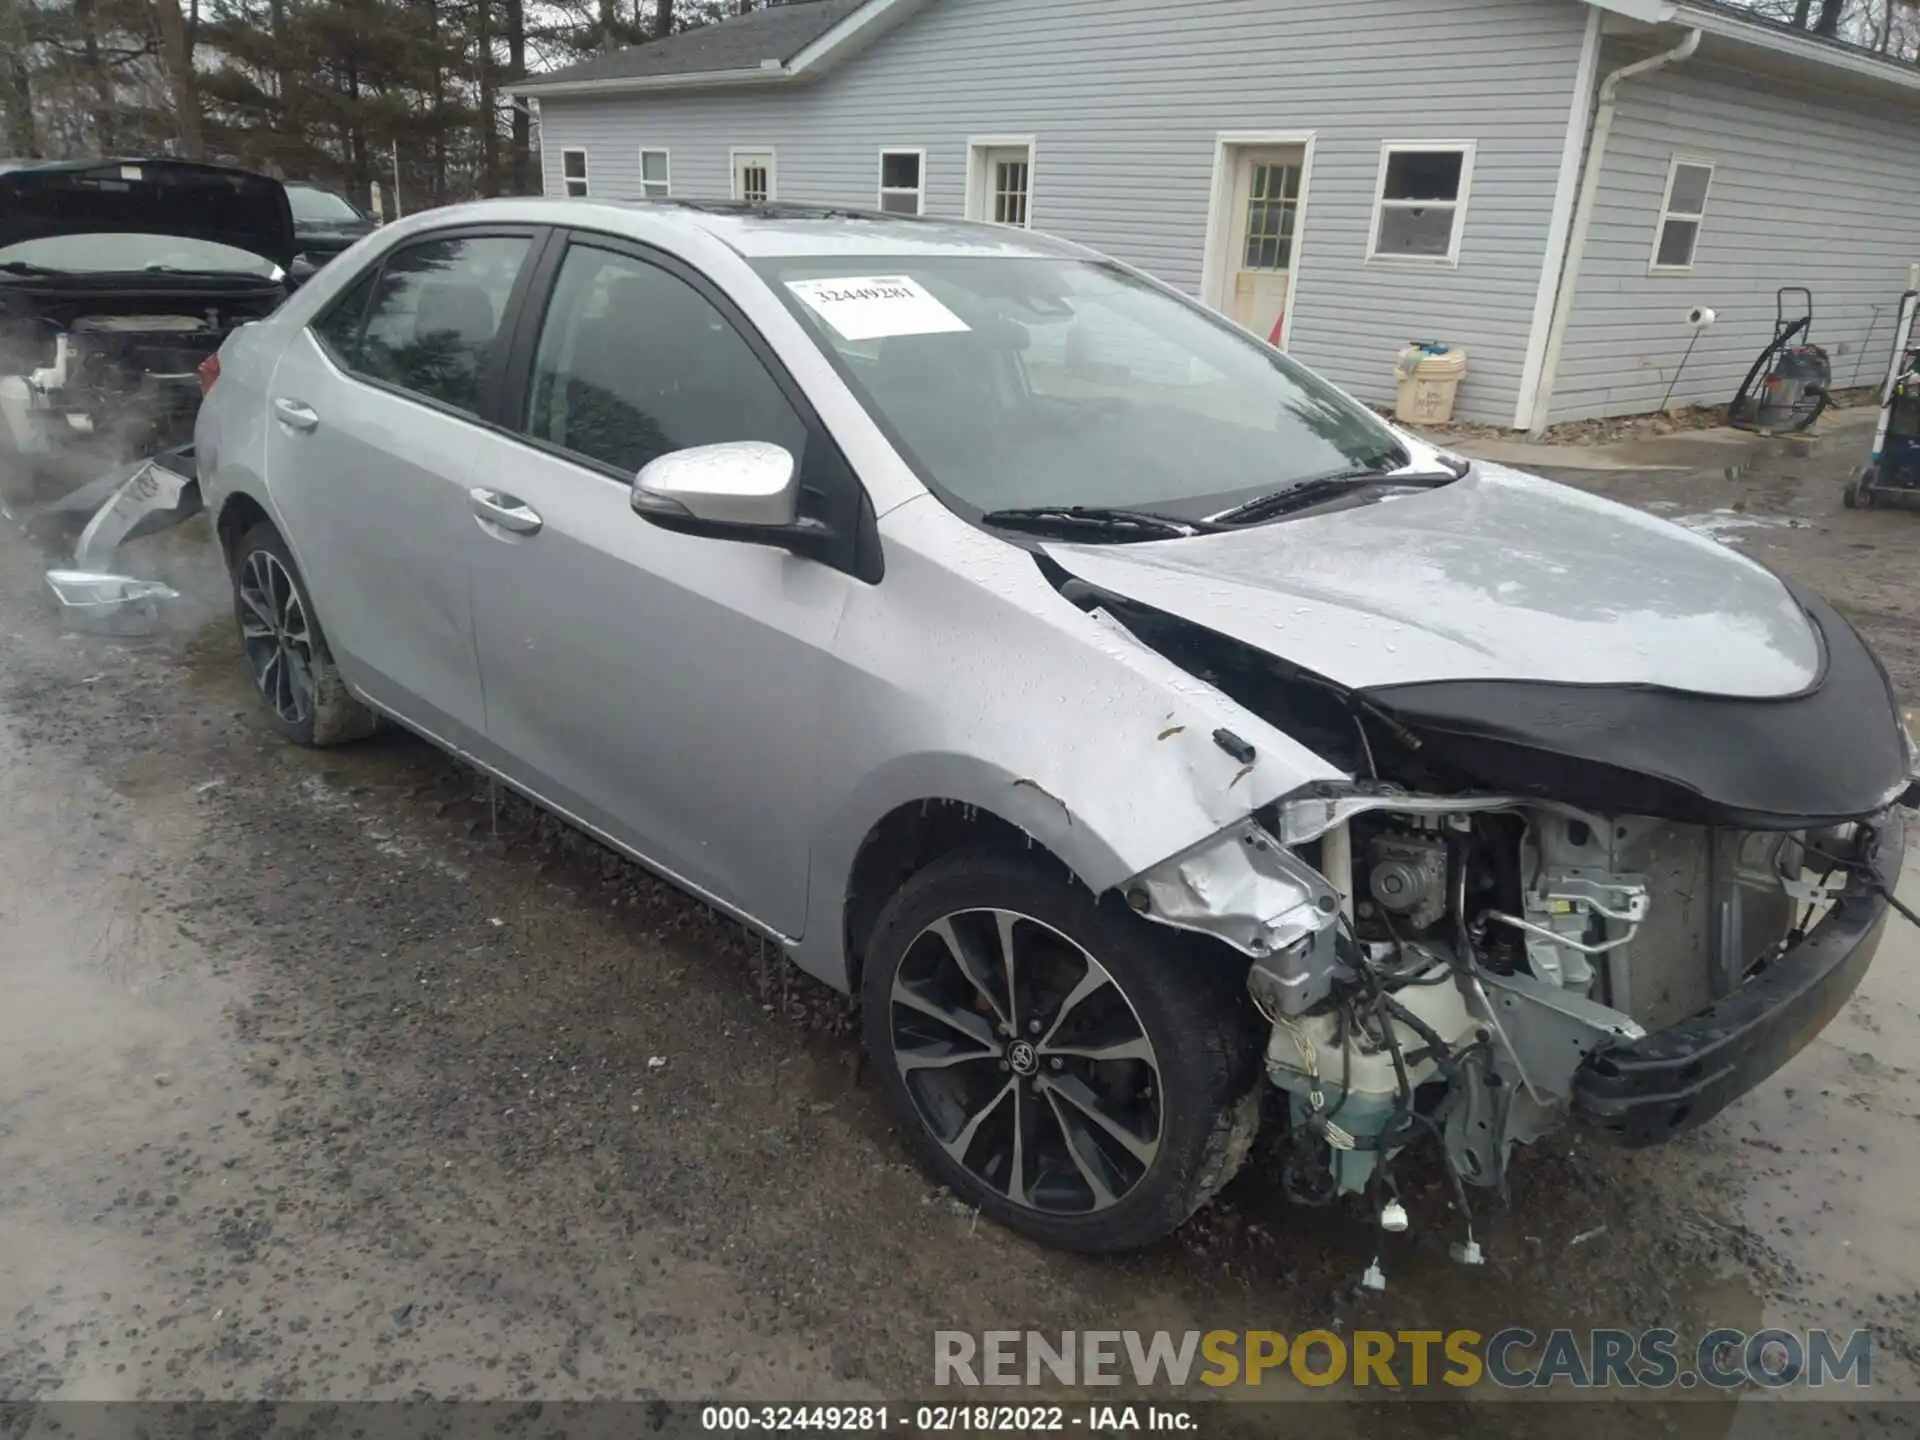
744,484
749,490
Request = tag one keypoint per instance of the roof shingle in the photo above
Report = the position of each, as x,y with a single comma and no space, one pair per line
778,32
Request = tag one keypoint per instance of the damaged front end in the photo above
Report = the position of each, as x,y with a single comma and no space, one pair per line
1533,901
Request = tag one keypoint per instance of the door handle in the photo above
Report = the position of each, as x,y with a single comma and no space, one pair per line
506,511
295,415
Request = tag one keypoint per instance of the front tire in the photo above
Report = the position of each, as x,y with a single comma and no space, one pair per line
1061,1066
285,649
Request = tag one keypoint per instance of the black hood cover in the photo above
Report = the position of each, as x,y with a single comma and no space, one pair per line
1835,752
160,197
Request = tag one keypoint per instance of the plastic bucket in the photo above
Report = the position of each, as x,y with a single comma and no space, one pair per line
1428,383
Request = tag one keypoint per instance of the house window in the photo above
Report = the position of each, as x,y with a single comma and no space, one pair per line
573,172
655,175
902,181
1420,208
1273,198
1681,212
1010,178
753,176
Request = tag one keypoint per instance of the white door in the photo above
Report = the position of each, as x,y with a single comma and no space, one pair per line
1266,207
753,176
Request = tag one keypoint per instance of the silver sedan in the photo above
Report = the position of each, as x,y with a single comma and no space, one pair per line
1151,736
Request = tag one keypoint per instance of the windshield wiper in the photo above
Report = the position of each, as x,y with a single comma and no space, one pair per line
1316,489
198,274
23,267
1094,519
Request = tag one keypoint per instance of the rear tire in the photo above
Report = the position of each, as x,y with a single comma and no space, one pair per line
1122,1095
285,649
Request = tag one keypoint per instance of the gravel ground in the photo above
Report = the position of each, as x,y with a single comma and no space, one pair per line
322,1077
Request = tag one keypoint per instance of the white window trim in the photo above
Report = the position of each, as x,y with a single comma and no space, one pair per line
1667,212
646,150
979,206
1466,150
919,194
586,189
734,153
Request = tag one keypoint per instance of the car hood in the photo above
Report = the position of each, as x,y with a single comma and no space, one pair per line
160,197
1497,576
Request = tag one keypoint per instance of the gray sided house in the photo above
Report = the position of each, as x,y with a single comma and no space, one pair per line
1553,184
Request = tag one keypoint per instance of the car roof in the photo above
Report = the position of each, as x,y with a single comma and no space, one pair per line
759,231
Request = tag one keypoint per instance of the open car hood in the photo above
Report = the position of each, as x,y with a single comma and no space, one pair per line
160,197
1497,576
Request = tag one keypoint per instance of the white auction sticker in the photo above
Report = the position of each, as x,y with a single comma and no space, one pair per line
876,307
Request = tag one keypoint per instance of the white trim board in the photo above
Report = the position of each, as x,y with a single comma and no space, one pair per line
1566,191
1214,268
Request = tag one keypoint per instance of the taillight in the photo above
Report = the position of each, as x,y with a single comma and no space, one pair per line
209,371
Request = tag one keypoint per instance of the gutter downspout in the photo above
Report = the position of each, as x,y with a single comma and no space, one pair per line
1583,216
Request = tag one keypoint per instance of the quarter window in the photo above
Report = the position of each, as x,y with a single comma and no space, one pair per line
573,172
1420,209
902,181
1682,210
655,175
435,317
634,362
339,327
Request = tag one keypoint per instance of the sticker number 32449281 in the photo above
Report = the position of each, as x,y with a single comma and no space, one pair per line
876,307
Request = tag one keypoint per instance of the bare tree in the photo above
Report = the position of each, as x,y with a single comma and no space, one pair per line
521,168
16,80
176,53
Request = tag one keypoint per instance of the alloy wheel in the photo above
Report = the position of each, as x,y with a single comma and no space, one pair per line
1026,1061
277,638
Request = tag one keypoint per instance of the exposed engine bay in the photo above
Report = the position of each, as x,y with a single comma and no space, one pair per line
1467,943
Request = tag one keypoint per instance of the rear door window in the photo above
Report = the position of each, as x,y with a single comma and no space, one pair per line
433,326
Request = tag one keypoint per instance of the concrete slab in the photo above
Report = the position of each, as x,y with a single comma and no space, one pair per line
1719,448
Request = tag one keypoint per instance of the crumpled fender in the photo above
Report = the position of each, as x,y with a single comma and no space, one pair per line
977,681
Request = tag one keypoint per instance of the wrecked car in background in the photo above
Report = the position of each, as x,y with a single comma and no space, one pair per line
118,280
324,222
1142,728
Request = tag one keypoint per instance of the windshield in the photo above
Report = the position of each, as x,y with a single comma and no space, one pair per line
320,207
1031,381
131,252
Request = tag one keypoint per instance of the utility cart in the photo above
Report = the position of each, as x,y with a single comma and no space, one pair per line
1894,466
